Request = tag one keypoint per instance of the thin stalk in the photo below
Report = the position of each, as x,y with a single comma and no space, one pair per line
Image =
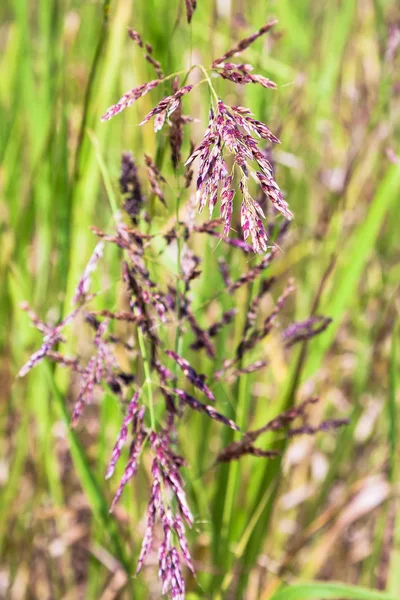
241,420
114,209
207,78
147,372
244,540
187,71
178,335
89,88
234,466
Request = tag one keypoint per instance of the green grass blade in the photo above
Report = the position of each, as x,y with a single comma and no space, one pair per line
393,584
325,590
349,272
89,482
392,406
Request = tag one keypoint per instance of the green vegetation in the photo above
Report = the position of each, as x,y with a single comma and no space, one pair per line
328,510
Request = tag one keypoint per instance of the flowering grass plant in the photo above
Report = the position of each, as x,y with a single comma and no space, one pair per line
229,150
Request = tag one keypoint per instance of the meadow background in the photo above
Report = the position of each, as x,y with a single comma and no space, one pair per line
329,510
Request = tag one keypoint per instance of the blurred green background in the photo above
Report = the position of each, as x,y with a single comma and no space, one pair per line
330,512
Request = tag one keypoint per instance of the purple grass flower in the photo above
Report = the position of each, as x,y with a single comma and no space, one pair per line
243,67
155,178
84,283
210,227
129,98
226,318
169,571
179,528
227,195
236,450
69,362
171,476
203,339
163,371
242,76
209,410
105,354
130,186
136,37
101,363
120,315
245,446
121,439
305,330
251,222
166,107
38,323
85,395
255,272
272,191
190,8
177,581
328,425
166,478
189,264
236,243
152,509
255,366
196,379
224,270
234,156
131,468
215,328
52,337
250,340
176,134
252,368
245,43
251,316
39,355
232,129
244,119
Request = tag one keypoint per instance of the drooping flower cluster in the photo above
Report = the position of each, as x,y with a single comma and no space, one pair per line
147,305
166,107
232,129
167,490
167,484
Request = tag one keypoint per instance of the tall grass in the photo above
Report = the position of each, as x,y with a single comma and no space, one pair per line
328,509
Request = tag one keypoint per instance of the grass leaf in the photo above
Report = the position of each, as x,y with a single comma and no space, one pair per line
326,590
